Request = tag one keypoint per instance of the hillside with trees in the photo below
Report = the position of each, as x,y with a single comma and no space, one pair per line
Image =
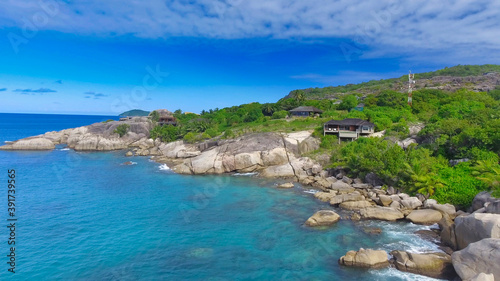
461,125
134,112
473,77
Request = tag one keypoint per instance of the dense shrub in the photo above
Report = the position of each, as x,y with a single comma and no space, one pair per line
165,133
122,129
190,137
280,114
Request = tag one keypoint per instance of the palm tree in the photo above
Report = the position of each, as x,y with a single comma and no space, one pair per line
268,109
422,180
489,173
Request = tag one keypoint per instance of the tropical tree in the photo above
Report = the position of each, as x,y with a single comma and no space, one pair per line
489,173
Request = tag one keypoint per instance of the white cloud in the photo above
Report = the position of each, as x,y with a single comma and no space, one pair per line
383,27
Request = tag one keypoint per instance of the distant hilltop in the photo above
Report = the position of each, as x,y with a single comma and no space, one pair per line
473,77
134,112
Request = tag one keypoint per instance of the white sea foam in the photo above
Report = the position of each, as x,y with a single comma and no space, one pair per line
133,163
405,237
391,273
164,167
8,142
245,174
311,191
64,149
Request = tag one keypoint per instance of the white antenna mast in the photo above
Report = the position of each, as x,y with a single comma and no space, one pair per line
411,82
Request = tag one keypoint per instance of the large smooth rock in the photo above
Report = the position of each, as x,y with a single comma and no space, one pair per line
325,196
474,227
385,200
322,218
493,207
373,179
483,277
381,213
275,157
281,171
447,226
365,258
436,265
346,198
342,187
411,203
355,205
247,162
204,163
30,144
425,216
480,199
479,257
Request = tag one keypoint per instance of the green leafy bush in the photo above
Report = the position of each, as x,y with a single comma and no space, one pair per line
155,116
328,141
122,129
166,133
190,137
280,114
460,186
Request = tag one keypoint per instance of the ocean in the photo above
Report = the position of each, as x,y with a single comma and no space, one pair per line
87,216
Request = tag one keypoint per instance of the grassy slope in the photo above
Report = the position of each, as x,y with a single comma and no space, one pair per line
394,83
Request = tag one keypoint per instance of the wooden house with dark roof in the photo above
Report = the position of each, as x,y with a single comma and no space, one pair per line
305,111
349,128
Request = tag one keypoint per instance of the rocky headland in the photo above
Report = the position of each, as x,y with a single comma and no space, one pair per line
470,240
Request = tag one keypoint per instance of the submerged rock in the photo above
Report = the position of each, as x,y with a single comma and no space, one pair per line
365,258
478,257
436,265
323,218
286,185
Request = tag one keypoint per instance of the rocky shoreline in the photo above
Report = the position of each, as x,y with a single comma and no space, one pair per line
471,241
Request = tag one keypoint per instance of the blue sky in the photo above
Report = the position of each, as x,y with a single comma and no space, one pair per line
105,57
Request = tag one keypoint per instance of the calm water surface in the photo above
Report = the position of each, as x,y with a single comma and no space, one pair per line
86,216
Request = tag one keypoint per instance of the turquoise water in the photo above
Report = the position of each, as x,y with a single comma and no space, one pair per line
86,216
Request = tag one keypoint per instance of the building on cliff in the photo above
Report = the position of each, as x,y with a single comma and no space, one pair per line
305,111
349,128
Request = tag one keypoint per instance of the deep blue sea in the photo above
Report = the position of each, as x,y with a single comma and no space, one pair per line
86,216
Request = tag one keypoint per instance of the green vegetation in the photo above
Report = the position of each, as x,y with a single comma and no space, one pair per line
134,112
107,121
460,124
155,116
122,129
376,86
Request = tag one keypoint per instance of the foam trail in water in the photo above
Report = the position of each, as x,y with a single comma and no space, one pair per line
164,167
64,149
394,274
311,191
245,174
